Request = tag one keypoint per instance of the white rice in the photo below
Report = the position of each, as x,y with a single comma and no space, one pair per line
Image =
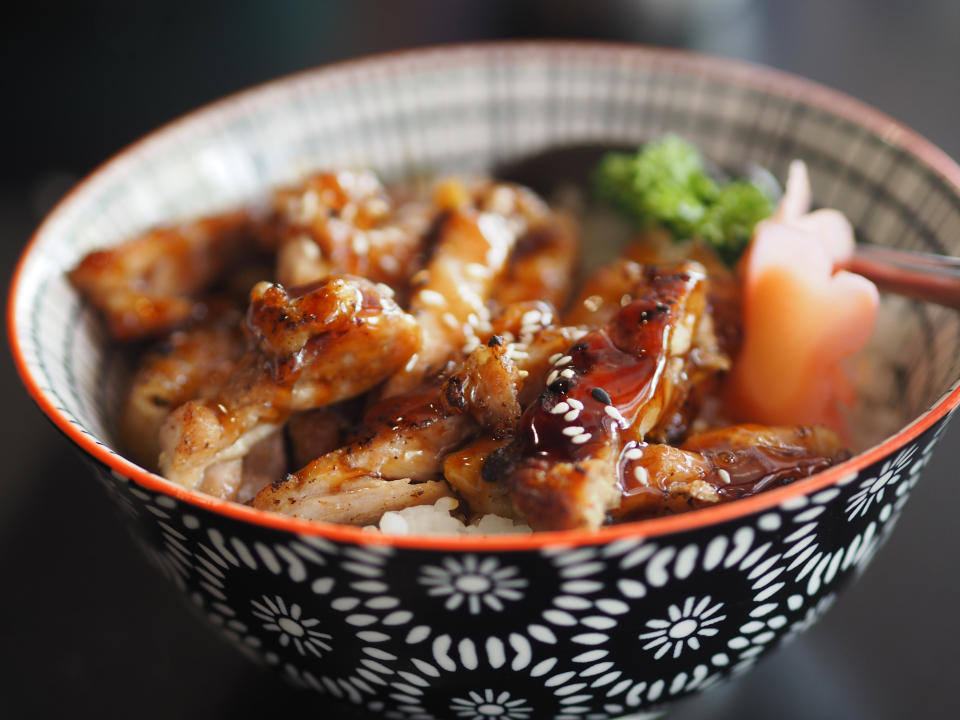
437,519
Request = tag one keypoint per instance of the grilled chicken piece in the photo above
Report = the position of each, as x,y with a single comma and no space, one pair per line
146,286
658,247
487,387
313,433
474,242
542,264
345,222
694,382
463,469
394,464
611,287
265,463
314,346
720,465
243,477
613,386
406,437
534,341
189,363
363,500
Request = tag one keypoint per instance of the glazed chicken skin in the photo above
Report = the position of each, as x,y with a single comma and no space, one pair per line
148,285
719,465
308,344
613,386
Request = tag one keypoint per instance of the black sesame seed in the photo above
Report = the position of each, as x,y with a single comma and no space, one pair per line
644,316
662,307
600,395
495,340
579,347
560,386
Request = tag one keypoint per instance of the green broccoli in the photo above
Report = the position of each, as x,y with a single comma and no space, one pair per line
728,224
665,184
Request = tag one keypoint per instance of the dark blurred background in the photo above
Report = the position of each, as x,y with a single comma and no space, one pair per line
86,629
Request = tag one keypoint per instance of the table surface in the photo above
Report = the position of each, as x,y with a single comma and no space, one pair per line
87,628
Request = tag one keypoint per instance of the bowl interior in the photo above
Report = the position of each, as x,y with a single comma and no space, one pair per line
471,108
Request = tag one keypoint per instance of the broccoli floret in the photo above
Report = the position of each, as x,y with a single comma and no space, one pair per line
663,184
666,184
728,224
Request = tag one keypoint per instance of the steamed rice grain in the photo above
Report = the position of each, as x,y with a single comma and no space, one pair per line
437,519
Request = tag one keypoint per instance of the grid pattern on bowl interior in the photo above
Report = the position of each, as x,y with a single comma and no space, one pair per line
467,109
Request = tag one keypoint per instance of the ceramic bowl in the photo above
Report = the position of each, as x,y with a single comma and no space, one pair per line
553,625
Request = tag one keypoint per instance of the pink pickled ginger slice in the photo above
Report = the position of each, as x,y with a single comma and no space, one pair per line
801,320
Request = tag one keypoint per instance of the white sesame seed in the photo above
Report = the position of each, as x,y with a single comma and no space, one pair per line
432,297
376,206
625,300
574,403
473,320
641,474
552,377
572,430
555,357
311,206
472,343
593,303
724,476
568,373
522,373
450,320
307,247
385,290
572,415
478,271
388,263
411,363
562,360
530,317
580,439
560,407
612,412
633,453
360,244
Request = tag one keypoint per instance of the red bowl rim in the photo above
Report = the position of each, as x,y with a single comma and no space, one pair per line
752,75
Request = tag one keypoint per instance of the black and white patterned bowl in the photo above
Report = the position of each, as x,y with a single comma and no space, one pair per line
555,625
